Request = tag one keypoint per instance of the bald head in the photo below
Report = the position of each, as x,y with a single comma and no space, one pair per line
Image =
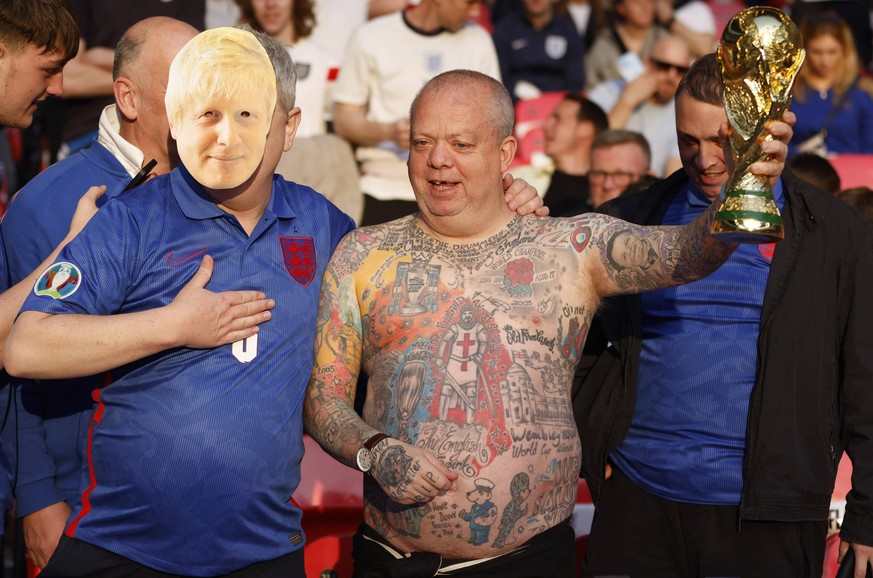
149,42
140,71
670,59
672,49
491,96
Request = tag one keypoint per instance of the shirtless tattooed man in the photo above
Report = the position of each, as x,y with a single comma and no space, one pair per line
469,321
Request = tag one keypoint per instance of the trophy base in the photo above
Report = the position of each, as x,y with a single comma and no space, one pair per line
746,229
748,216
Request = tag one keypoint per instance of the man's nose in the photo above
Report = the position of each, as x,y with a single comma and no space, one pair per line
439,156
55,85
474,11
709,154
226,131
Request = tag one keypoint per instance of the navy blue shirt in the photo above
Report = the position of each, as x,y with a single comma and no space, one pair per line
552,59
849,122
8,438
697,369
194,453
54,415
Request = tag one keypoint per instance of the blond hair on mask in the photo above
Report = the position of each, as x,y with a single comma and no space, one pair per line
216,65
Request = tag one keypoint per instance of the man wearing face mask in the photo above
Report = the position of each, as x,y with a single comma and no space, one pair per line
193,450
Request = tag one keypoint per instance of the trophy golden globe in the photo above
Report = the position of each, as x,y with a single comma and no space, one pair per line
759,55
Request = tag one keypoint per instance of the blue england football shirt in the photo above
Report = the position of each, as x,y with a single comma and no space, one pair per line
194,453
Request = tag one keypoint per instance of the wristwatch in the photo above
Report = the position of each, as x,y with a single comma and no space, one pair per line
364,458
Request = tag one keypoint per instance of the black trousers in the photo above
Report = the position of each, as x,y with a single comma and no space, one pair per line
76,559
637,534
551,554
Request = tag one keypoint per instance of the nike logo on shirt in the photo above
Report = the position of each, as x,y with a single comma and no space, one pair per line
176,261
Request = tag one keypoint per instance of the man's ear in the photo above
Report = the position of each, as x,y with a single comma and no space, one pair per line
585,130
125,97
291,125
507,153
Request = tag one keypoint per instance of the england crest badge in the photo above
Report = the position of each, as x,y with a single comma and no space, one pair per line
299,255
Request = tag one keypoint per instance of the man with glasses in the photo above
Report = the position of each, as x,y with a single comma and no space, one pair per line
569,133
645,104
618,159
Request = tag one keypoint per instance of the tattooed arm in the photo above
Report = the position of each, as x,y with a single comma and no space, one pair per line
627,258
406,473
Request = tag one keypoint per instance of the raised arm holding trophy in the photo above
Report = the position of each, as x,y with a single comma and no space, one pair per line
713,415
760,54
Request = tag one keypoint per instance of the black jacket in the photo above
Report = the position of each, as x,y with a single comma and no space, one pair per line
813,392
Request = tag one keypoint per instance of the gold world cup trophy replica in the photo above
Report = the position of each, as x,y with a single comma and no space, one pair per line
760,54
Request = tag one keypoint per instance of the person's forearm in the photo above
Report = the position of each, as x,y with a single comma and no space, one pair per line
351,124
39,345
11,299
378,8
83,80
620,113
101,57
699,252
334,424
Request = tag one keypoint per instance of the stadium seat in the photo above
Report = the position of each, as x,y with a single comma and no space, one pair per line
331,497
532,112
854,170
529,146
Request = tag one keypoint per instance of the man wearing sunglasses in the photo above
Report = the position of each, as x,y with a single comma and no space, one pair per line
645,103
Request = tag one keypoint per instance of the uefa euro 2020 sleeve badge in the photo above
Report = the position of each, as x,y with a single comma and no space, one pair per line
58,281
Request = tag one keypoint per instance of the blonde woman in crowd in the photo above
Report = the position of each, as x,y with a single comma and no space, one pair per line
833,103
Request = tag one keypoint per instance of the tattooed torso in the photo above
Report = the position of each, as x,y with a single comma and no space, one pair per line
470,351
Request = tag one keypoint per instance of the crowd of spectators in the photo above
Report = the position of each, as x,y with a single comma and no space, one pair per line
360,63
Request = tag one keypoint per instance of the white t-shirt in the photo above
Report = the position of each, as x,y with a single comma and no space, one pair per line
656,122
316,71
697,17
385,66
336,21
581,14
221,13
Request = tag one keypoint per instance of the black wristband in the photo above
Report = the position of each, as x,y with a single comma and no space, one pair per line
375,439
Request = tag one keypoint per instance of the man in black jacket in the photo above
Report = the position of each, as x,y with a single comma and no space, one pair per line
714,416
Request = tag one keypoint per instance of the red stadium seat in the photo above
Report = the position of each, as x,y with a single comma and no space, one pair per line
854,170
532,113
832,552
530,116
331,497
838,508
530,144
583,513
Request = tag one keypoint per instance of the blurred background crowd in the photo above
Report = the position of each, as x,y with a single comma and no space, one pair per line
587,76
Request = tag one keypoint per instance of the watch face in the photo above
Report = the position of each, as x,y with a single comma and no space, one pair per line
364,459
